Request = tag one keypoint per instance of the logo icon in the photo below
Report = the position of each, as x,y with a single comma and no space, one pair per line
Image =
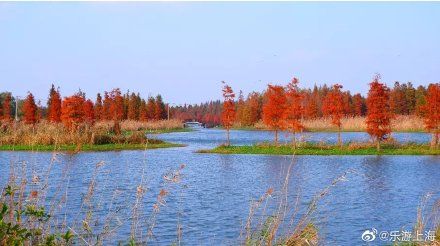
369,235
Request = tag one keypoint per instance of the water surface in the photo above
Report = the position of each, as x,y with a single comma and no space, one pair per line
212,200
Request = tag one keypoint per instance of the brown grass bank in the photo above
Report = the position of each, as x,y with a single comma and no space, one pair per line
401,123
101,133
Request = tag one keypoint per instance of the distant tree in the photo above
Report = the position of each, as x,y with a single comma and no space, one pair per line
420,100
273,108
7,107
54,105
116,109
106,107
333,107
398,103
1,111
39,114
72,111
293,113
160,112
228,112
89,113
311,109
116,105
251,110
410,95
432,113
143,115
29,109
240,109
98,108
358,105
378,111
151,108
133,108
347,103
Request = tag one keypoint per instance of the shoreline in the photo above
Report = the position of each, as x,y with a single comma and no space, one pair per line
311,149
88,147
162,131
318,130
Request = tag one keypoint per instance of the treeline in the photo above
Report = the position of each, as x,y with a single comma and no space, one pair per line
207,113
114,105
404,100
76,109
286,107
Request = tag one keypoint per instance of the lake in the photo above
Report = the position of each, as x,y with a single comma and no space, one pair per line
211,202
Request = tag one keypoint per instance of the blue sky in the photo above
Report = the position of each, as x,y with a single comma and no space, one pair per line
183,50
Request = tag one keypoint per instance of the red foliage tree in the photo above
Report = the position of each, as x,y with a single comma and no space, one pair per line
54,105
347,102
251,111
358,105
378,111
160,111
89,112
311,106
7,108
228,111
151,108
29,109
116,108
39,114
143,111
432,112
294,110
72,111
98,108
240,109
133,107
273,108
333,106
106,107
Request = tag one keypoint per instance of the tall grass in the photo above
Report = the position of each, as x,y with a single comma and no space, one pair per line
54,134
428,220
32,213
401,123
287,225
131,125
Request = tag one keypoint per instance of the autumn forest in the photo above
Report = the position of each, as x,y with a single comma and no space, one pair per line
277,108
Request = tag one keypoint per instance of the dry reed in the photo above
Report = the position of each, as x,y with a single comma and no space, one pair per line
54,134
401,123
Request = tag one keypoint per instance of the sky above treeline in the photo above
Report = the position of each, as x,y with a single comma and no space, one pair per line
184,50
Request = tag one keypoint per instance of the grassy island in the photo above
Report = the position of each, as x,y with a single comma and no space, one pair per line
320,149
101,136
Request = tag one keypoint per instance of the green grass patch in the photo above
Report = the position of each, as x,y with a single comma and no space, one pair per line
88,147
317,149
